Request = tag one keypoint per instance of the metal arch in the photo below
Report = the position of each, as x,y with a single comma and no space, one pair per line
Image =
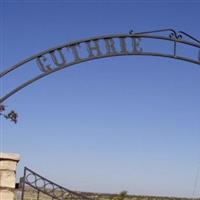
140,34
57,69
173,36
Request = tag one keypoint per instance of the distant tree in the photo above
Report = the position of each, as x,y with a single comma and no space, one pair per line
121,196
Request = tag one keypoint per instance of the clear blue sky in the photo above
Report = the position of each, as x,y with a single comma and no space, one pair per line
123,123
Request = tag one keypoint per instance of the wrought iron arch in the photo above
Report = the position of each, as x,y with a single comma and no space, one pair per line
60,57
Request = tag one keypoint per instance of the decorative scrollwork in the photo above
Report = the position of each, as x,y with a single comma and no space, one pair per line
189,36
12,115
175,35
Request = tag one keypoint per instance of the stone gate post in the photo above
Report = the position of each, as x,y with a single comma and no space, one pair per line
8,164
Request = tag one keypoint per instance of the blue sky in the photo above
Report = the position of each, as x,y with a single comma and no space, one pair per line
122,123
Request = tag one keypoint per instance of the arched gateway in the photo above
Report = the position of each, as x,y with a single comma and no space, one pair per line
176,45
143,44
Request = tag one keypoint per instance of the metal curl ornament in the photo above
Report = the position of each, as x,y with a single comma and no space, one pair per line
12,115
175,35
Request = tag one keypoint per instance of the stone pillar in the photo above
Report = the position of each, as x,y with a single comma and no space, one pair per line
8,164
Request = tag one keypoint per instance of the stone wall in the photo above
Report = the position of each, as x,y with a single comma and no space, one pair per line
8,164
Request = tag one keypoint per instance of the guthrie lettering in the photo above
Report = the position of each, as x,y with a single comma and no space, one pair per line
93,48
43,64
55,59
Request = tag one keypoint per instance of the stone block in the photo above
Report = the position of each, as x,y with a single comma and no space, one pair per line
7,179
6,195
8,165
9,156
